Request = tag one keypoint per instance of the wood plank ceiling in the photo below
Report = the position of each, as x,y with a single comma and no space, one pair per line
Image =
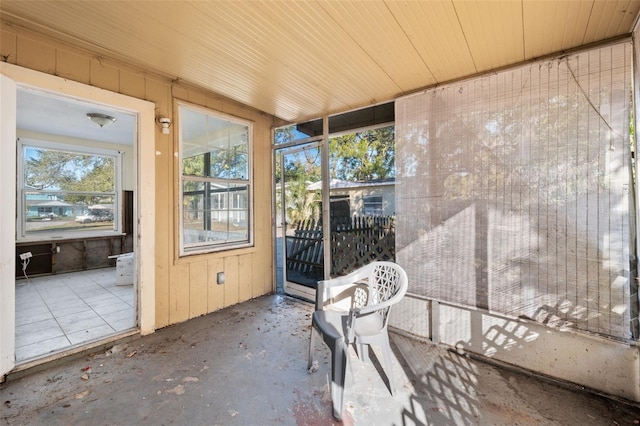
303,59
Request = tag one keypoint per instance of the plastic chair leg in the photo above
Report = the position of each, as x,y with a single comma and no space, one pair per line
388,366
363,352
312,364
338,369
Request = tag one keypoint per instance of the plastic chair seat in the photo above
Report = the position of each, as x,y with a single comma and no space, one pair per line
334,324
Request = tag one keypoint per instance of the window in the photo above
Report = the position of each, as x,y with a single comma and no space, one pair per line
215,169
67,191
373,205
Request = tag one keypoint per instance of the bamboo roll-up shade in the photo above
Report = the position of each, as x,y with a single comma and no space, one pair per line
513,191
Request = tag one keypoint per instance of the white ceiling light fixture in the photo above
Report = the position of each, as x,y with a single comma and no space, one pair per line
101,119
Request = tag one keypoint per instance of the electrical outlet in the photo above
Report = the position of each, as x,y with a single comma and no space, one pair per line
25,255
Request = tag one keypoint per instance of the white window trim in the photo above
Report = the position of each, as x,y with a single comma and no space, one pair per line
53,235
207,247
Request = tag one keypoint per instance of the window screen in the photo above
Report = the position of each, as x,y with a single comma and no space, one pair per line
513,191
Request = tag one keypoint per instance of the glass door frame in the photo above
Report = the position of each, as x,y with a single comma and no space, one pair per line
321,142
289,286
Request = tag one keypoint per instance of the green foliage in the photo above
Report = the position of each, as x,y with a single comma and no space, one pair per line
193,166
300,169
49,169
223,163
284,134
363,156
359,156
301,204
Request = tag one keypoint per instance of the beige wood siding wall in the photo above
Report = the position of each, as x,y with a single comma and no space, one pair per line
184,287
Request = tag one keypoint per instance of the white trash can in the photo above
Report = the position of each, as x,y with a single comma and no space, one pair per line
124,269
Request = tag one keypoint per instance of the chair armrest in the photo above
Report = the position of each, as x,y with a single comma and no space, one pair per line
322,291
347,280
351,325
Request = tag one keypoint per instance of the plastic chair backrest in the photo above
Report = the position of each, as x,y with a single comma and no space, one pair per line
387,283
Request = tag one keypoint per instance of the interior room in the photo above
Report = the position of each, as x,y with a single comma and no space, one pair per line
75,275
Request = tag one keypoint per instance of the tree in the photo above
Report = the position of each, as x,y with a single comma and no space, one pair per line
364,155
70,172
299,170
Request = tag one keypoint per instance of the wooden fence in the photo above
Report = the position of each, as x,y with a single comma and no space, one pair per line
354,242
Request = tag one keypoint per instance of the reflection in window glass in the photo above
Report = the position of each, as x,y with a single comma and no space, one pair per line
373,206
215,163
298,132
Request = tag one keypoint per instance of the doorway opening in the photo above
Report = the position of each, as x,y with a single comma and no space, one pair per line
334,174
76,182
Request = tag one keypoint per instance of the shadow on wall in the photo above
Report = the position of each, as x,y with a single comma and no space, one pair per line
447,387
500,261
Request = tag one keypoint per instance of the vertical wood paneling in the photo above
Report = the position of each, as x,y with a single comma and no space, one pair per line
132,83
196,97
263,277
73,66
179,92
215,103
179,294
215,294
245,277
159,93
185,287
262,280
104,75
231,282
36,55
8,46
198,288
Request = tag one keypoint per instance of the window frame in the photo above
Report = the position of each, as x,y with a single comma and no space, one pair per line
223,203
21,205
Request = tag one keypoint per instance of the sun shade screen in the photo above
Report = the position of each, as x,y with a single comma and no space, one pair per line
513,191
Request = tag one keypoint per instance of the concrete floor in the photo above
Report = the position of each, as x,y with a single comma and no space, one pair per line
247,365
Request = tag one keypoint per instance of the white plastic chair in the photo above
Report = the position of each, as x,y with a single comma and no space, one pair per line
370,292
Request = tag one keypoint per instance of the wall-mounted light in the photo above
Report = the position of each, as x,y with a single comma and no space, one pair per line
164,123
101,119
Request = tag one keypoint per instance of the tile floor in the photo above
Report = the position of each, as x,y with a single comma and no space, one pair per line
54,313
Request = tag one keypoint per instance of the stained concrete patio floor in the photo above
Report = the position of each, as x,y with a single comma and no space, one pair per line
246,365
